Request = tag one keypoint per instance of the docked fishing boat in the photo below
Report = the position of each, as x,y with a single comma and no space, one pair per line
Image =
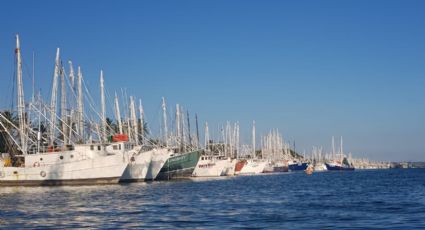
180,165
320,167
276,167
339,162
253,166
138,163
210,166
294,166
80,165
159,157
239,166
337,166
230,167
36,158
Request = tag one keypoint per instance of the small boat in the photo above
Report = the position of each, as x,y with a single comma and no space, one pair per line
309,170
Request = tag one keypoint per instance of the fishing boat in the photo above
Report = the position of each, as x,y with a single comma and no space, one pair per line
159,157
320,167
239,166
276,167
230,167
210,166
339,161
180,165
138,163
253,166
294,166
81,165
42,161
338,166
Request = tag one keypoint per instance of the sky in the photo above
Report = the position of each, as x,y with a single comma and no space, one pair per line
311,69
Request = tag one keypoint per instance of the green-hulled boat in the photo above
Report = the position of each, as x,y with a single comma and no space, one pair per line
179,165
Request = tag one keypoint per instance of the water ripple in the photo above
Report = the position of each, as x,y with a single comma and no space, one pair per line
386,199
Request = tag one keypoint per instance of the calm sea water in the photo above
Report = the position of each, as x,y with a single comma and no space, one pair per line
382,199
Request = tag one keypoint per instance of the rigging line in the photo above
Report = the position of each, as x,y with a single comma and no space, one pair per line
88,97
10,135
57,117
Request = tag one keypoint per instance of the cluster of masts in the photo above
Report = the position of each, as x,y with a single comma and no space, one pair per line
70,124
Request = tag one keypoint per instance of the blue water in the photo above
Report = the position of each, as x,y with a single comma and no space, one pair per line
382,199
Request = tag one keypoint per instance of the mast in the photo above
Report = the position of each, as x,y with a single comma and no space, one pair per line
188,127
253,138
80,104
21,101
164,110
117,113
141,115
237,139
207,135
178,130
53,100
71,74
33,77
63,107
197,130
333,147
134,120
72,121
102,98
182,131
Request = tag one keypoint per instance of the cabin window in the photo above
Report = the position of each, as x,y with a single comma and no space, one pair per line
114,147
99,147
91,147
72,156
119,146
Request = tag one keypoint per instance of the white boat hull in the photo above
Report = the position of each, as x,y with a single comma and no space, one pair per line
209,167
75,171
320,167
229,169
159,157
138,166
253,167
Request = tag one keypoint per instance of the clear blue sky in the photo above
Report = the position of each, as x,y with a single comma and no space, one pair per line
312,69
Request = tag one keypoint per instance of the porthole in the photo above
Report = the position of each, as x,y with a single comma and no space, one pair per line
72,156
41,158
61,157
